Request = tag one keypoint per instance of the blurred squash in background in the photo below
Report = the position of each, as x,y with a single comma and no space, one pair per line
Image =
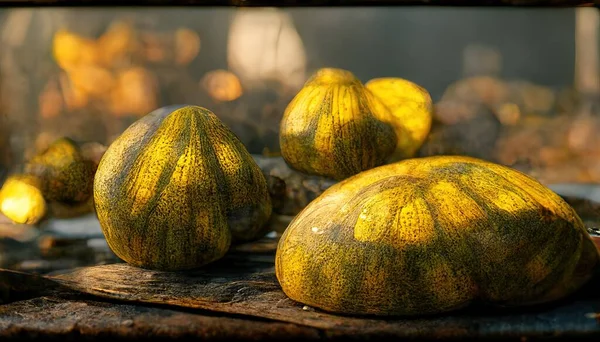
222,85
88,74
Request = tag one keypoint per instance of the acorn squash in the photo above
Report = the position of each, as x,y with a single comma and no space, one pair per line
431,235
176,187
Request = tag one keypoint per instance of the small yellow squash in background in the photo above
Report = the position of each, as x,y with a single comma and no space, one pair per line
411,110
21,199
66,176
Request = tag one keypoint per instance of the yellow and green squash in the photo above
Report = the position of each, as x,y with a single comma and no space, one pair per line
431,235
176,187
336,127
66,176
411,111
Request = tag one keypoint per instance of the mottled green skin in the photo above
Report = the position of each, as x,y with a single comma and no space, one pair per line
332,128
66,176
175,187
351,251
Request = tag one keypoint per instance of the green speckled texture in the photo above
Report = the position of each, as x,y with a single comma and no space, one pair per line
331,127
176,187
65,175
432,235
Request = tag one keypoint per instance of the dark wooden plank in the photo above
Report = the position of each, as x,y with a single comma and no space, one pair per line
257,295
243,284
77,318
281,3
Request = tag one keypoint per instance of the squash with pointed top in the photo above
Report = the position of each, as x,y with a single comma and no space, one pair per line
337,127
331,127
176,187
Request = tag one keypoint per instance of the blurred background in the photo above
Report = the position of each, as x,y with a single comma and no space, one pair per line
516,86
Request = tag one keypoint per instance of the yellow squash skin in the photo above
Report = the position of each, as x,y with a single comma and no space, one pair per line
175,187
331,128
411,109
65,174
431,235
21,199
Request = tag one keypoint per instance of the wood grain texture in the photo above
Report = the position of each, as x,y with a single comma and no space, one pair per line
74,318
220,302
243,286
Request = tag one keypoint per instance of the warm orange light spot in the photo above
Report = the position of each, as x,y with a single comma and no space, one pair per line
70,49
118,42
509,114
75,98
187,46
135,93
50,100
93,80
222,85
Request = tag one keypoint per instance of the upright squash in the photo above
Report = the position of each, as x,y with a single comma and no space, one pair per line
337,127
174,189
331,127
431,235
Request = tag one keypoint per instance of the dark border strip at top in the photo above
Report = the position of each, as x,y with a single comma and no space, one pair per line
297,3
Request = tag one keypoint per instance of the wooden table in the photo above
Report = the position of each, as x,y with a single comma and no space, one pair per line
64,283
239,298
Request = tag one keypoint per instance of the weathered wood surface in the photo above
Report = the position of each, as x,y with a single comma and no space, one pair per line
238,297
250,3
77,318
243,285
